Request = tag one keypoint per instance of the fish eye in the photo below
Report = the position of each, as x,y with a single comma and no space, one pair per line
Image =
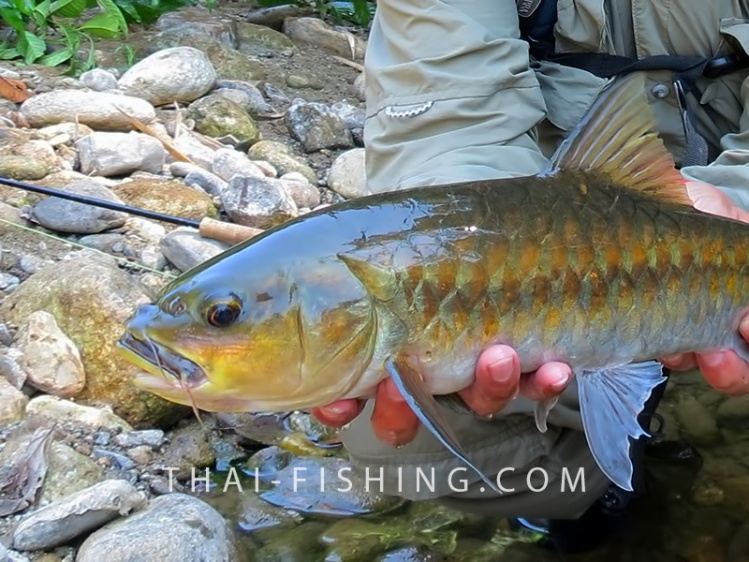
223,314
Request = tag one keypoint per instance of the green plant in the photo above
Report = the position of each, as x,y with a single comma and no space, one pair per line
359,12
51,32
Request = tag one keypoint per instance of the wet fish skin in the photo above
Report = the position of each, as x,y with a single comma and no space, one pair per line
599,262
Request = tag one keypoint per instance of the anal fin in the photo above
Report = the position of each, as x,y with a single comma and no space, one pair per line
610,402
411,386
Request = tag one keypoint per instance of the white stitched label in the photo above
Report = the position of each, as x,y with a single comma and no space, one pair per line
413,112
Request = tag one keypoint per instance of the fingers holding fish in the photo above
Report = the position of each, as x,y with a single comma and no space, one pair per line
725,372
393,420
547,382
497,381
339,413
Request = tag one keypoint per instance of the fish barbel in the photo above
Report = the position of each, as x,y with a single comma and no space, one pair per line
600,262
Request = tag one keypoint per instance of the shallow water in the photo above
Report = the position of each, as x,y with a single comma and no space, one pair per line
696,508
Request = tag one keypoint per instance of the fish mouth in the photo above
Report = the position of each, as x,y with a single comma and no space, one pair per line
163,361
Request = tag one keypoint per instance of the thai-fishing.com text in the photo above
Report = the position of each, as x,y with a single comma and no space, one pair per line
374,480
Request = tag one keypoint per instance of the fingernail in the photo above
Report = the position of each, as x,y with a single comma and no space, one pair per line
502,370
336,409
561,383
713,359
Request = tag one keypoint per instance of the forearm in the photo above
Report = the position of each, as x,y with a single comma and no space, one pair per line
475,97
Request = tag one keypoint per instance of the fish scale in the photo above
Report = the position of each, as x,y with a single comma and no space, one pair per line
599,261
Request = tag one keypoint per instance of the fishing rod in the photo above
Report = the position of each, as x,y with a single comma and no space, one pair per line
208,228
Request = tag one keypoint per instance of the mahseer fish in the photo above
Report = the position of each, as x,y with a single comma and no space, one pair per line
600,262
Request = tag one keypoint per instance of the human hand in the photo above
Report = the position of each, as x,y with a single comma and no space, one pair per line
497,382
723,370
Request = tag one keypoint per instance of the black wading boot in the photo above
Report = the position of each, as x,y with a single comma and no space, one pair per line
605,516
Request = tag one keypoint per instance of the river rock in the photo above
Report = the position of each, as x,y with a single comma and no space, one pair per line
201,20
12,402
23,159
100,110
353,116
258,202
10,366
697,423
326,486
60,409
316,126
185,248
179,74
303,194
10,214
118,154
358,87
219,117
99,80
62,215
348,176
206,181
316,32
172,527
68,472
228,162
51,360
261,41
77,514
229,63
280,156
257,106
153,438
171,197
734,412
92,299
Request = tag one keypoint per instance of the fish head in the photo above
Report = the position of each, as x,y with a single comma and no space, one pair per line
276,338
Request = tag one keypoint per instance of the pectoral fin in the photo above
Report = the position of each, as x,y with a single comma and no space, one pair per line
541,412
610,403
417,396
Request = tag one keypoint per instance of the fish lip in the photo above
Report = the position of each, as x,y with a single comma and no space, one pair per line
164,360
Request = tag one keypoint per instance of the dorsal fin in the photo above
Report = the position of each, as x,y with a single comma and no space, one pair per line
616,137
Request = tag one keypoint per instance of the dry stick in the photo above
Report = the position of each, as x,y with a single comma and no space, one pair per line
350,63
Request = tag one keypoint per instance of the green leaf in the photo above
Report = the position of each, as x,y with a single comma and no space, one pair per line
102,25
12,18
34,48
56,58
9,54
114,12
67,8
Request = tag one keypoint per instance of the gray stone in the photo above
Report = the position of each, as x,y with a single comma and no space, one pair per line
153,258
119,154
172,527
316,126
178,74
301,81
101,110
63,133
734,412
98,80
205,180
316,32
8,282
185,248
108,243
303,194
10,366
78,218
12,402
68,472
75,515
358,87
348,175
229,63
228,162
60,409
51,360
280,156
257,106
258,202
353,116
203,21
153,438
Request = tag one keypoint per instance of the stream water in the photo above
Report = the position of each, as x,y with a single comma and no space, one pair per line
696,508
